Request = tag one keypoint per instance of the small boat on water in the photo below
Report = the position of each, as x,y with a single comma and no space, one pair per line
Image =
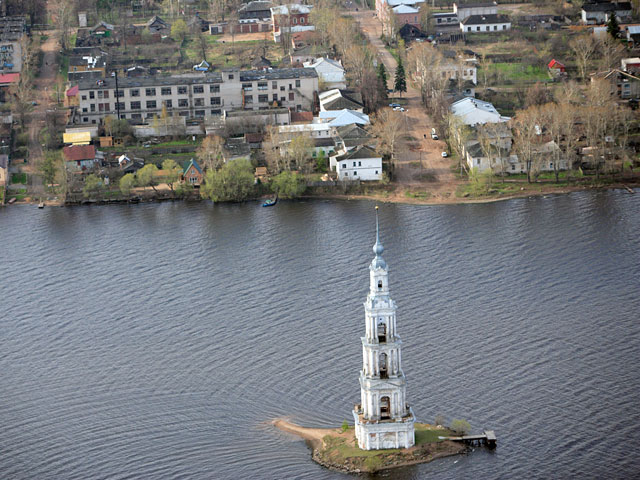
41,204
271,202
12,200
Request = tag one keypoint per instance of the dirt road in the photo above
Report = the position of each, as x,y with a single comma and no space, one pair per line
43,86
420,163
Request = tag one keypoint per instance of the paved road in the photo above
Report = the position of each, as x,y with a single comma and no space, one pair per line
420,164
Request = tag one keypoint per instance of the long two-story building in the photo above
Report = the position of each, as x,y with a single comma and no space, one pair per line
196,96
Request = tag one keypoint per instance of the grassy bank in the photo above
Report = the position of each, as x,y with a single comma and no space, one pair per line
340,451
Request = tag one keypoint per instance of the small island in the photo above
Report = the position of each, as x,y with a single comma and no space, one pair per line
337,448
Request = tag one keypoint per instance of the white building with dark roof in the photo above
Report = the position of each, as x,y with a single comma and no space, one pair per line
485,24
339,100
598,12
361,163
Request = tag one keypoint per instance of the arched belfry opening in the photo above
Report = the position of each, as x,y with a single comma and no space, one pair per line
382,331
385,408
379,284
384,370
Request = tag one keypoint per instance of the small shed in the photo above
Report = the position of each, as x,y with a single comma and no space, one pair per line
556,68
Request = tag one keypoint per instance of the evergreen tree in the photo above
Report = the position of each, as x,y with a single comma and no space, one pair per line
382,73
382,82
613,28
401,82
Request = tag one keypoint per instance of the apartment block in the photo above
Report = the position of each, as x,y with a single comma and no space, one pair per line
197,96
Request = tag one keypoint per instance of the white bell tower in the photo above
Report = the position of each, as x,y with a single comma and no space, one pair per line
383,419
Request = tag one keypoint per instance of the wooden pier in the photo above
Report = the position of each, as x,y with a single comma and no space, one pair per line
487,438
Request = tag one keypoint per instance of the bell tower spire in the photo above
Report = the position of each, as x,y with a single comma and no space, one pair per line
383,419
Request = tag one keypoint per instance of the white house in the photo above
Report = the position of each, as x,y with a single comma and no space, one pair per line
329,71
362,163
339,118
485,24
473,112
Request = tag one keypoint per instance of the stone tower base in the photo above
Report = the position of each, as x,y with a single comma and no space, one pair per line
384,434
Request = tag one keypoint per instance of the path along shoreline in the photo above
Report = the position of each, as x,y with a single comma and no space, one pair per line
396,198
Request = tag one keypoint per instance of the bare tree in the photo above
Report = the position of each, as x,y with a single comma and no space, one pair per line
272,150
298,153
485,64
583,48
527,130
426,66
210,152
387,128
611,52
458,134
63,12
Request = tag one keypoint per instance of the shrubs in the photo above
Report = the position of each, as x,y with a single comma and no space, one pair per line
461,427
288,185
234,182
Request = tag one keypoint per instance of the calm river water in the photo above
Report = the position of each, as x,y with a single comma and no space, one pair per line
157,341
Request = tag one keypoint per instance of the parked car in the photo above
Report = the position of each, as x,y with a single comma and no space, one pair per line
434,136
398,109
444,154
394,105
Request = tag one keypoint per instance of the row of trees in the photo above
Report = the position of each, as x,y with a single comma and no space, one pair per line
234,182
594,122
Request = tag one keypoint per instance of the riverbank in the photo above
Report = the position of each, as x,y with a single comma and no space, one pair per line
397,195
336,449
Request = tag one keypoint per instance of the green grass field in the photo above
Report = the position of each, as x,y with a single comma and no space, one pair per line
519,73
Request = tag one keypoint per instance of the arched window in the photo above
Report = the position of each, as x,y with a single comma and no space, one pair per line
379,284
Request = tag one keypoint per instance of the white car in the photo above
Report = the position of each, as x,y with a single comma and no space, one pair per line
398,109
444,154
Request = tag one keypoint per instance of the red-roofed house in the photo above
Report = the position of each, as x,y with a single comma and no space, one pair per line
71,96
9,79
79,157
556,68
